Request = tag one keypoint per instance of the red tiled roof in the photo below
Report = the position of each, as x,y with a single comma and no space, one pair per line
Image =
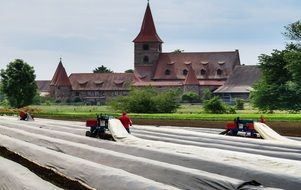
144,72
43,85
179,83
241,80
158,84
211,82
60,77
210,62
191,77
101,81
136,77
148,31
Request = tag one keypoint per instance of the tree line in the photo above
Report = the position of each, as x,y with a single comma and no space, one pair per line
280,84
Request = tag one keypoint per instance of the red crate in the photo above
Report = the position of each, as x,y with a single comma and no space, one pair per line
91,123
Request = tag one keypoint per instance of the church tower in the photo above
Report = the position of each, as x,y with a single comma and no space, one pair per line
148,46
60,86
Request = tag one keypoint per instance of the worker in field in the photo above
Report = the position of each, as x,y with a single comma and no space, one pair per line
23,115
126,122
236,122
262,120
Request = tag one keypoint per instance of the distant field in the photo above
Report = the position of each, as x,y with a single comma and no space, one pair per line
187,115
185,112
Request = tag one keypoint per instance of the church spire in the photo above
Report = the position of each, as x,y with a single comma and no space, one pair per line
60,77
148,31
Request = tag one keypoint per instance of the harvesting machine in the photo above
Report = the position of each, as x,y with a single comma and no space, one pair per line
99,127
241,127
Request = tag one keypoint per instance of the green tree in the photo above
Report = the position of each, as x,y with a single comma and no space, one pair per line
178,51
293,31
215,105
239,104
166,102
102,69
147,101
18,83
129,71
279,87
191,97
206,94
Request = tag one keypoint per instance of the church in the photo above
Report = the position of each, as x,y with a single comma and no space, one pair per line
187,71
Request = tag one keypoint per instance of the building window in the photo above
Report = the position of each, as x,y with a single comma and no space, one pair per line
203,72
185,72
167,72
145,47
76,93
145,59
219,72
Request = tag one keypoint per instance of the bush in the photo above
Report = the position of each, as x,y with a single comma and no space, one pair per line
4,103
77,100
191,97
146,101
206,94
37,100
166,102
215,105
230,110
239,104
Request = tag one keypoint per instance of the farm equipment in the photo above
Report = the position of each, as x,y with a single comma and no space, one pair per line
99,127
241,127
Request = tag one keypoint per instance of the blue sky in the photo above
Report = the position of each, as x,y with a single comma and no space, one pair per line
91,33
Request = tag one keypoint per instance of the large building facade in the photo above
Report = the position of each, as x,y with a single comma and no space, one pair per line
188,71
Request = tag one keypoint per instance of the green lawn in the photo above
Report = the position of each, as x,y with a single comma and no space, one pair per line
185,112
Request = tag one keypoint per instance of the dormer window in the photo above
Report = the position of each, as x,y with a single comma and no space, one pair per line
221,62
145,59
167,72
185,72
219,72
145,47
203,72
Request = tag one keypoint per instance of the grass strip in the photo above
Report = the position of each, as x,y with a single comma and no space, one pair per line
174,116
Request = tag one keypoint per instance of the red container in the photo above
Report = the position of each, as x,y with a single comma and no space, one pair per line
231,125
91,123
250,125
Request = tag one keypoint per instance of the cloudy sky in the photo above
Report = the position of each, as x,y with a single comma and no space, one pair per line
91,33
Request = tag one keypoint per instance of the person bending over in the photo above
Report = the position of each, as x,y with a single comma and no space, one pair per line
126,122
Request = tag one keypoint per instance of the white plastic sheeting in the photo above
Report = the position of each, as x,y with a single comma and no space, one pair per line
95,175
157,161
269,134
14,177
